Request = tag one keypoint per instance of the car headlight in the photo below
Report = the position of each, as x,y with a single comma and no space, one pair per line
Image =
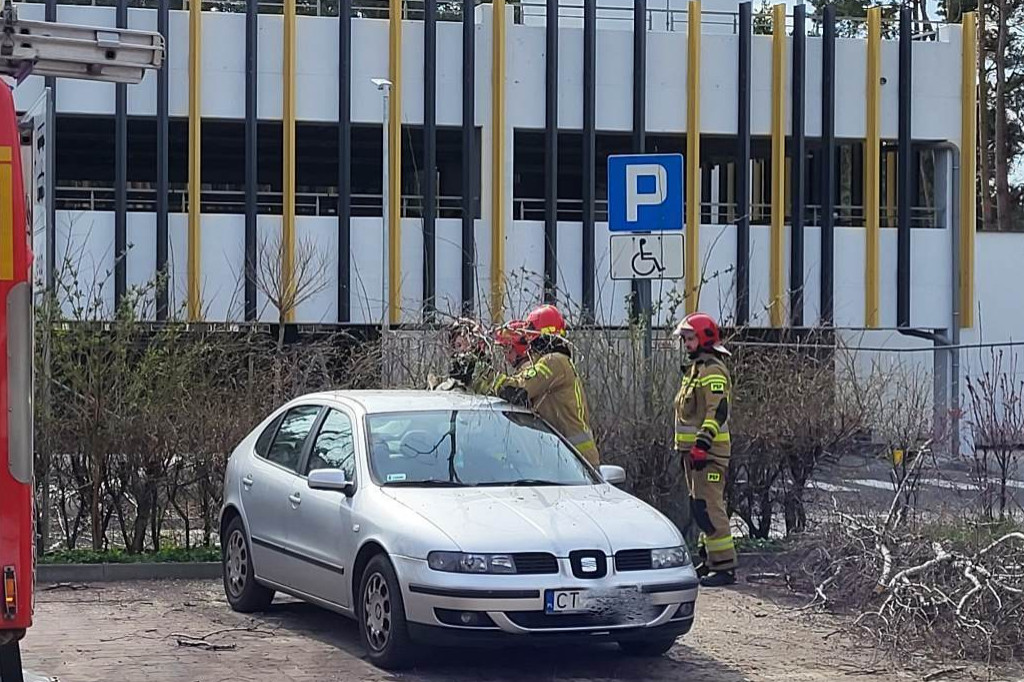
462,562
670,557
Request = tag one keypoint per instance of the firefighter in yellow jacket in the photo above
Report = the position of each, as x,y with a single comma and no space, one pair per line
544,377
702,436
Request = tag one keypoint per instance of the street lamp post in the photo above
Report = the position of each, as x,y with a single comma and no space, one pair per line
384,85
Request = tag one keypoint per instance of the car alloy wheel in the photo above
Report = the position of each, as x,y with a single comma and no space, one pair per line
377,612
237,563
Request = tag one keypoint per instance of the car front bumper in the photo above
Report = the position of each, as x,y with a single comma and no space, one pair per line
661,603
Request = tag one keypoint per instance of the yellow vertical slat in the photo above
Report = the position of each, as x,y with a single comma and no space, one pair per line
6,214
288,283
776,310
195,39
693,173
890,189
498,162
872,168
969,166
394,226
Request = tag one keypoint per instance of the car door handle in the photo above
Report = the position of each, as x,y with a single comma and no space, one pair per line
247,482
295,499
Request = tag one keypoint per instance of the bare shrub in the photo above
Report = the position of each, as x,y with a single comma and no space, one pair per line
289,282
951,586
136,420
796,408
996,425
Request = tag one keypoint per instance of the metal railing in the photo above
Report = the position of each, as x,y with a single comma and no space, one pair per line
668,18
232,201
325,203
723,213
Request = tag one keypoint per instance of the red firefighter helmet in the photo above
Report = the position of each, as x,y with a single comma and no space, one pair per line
704,327
512,337
545,320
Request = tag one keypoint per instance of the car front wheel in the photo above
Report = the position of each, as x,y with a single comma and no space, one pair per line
243,592
647,647
382,625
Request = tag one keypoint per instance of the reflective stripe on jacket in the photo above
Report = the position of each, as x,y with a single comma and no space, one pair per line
702,407
554,391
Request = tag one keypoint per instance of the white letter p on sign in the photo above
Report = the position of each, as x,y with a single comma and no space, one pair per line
634,198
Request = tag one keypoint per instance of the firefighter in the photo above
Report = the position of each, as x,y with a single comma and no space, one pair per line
512,338
545,379
702,437
467,362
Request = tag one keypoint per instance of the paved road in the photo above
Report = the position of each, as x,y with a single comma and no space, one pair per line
156,632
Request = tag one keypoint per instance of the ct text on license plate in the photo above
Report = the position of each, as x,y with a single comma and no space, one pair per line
565,601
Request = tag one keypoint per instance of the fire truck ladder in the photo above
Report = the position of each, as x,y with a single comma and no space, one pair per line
113,55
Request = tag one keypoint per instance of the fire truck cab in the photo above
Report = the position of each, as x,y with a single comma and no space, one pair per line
63,51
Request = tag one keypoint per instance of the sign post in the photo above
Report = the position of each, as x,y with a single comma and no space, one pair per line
645,217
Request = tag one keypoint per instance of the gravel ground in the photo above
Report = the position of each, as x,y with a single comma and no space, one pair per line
185,632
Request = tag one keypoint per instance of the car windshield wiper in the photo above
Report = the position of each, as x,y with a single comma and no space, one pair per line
428,483
522,482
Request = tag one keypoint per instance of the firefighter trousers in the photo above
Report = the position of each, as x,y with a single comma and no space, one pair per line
707,505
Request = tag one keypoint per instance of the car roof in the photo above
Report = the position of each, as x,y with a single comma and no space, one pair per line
378,401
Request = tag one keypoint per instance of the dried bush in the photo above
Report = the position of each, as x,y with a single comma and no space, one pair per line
951,586
135,420
996,424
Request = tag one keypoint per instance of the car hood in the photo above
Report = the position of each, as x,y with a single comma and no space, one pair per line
555,519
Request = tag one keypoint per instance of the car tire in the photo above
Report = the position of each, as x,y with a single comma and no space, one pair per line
244,594
647,647
381,612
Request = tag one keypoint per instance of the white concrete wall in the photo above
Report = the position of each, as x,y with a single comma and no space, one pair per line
936,94
936,116
85,241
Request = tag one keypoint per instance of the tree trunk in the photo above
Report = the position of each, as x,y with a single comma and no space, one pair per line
1002,169
983,126
796,514
97,511
142,516
43,531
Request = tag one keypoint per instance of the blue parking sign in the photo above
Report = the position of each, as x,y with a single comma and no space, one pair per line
645,192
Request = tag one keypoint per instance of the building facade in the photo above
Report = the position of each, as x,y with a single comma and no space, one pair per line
254,164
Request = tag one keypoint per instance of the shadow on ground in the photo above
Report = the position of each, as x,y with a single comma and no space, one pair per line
589,662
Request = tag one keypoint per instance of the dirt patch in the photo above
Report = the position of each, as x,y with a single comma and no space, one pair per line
185,632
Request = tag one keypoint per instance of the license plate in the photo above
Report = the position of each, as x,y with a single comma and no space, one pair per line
566,601
620,600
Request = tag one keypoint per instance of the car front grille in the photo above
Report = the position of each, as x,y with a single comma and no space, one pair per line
538,620
535,563
633,560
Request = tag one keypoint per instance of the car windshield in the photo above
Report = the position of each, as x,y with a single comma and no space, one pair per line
470,448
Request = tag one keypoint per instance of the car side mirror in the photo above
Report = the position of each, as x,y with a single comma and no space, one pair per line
613,474
330,479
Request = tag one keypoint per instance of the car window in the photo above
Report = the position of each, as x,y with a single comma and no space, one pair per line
470,447
286,450
263,442
334,447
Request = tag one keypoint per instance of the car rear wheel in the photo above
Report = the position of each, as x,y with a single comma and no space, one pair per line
647,647
243,592
382,625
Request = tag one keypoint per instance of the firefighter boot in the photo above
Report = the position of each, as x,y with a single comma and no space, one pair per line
719,579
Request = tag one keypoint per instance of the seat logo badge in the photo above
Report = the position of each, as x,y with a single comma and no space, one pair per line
588,564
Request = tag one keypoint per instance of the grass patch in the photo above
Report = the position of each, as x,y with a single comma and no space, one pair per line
119,556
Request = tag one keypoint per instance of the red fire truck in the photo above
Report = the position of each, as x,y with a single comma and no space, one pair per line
45,49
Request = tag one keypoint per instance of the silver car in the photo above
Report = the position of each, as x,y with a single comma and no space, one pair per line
446,518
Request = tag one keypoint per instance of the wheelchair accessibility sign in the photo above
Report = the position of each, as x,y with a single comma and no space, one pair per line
647,256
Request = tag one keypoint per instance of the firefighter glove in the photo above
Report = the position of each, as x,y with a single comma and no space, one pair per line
698,457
